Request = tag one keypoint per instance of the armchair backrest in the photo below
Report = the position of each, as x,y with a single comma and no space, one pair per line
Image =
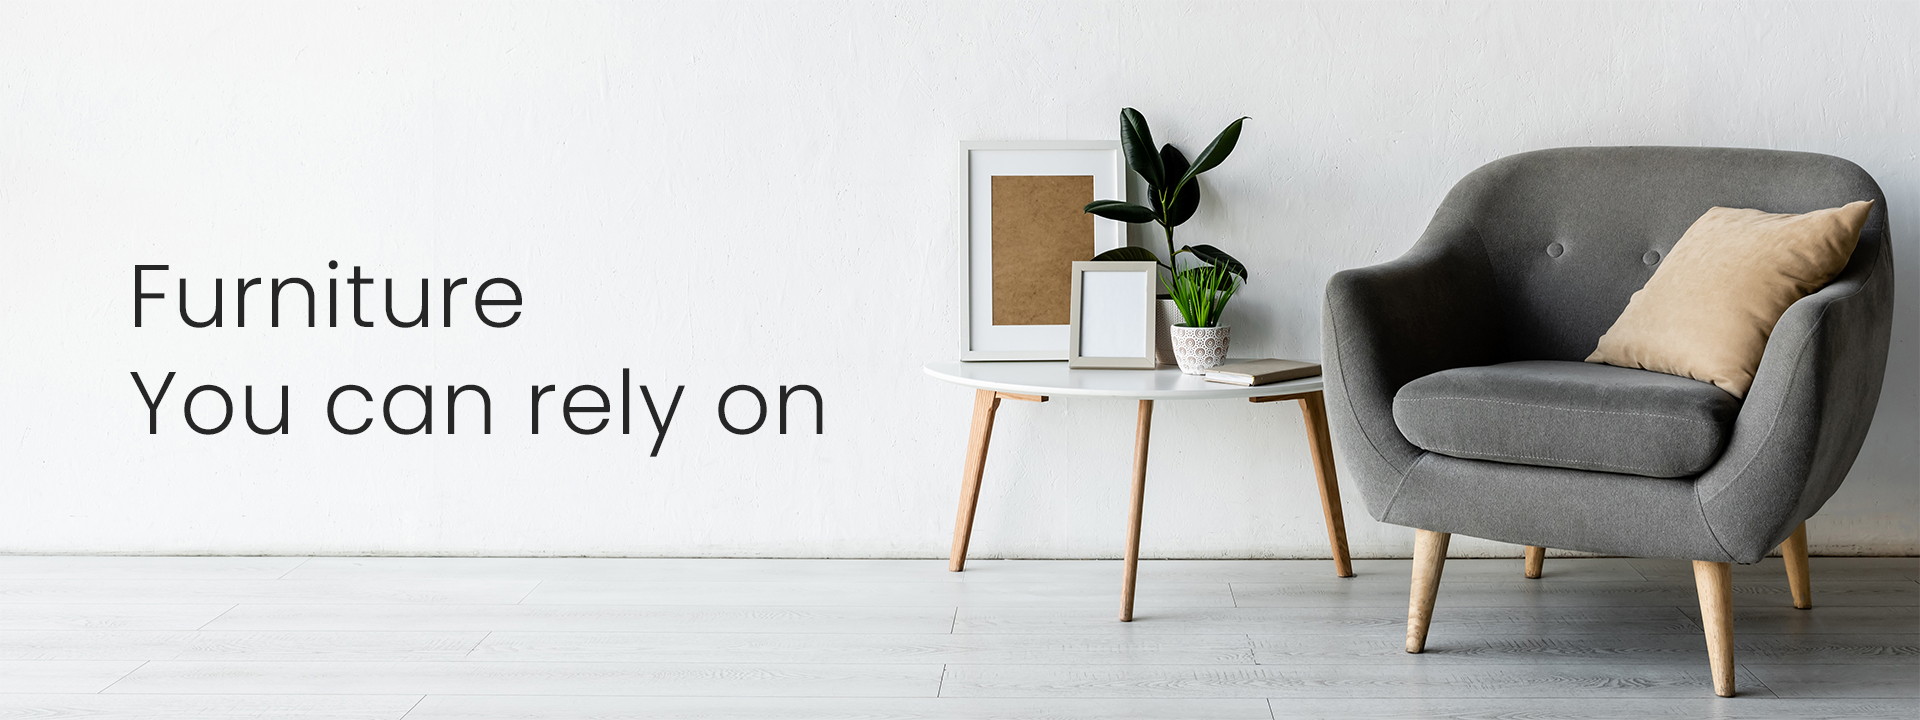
1571,233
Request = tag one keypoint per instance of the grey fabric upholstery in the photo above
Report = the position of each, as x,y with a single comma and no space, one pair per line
1575,415
1532,257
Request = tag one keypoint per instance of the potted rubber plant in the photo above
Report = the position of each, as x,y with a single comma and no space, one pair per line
1198,289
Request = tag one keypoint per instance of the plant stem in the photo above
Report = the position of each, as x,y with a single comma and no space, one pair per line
1172,267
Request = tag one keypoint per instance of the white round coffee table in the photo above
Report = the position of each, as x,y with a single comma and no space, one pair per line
1039,381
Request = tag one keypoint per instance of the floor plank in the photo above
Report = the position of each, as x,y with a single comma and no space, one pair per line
61,676
206,707
1858,569
1840,681
167,590
867,648
611,618
1819,619
1456,592
1469,622
1738,708
682,570
1675,649
109,616
614,638
1482,569
768,570
228,645
1038,594
532,678
1358,681
99,567
449,707
897,571
1828,649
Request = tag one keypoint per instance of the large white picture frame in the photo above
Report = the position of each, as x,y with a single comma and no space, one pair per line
980,338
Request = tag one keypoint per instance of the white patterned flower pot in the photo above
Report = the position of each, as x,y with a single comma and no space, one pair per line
1200,349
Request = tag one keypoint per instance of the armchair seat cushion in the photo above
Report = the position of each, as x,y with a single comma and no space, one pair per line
1574,415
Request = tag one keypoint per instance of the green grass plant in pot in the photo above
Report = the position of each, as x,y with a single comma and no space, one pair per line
1199,291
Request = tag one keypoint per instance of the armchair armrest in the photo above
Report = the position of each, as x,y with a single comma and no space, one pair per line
1807,415
1383,326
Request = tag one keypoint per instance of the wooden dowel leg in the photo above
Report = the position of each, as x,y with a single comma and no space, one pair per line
1429,557
1313,409
985,403
1714,582
1139,502
1799,577
1536,557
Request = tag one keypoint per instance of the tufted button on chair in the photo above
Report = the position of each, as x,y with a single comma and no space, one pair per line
1458,396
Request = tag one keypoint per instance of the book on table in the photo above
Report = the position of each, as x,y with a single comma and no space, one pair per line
1262,372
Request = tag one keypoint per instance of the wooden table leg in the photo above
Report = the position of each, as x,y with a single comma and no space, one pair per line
1139,500
985,403
1313,409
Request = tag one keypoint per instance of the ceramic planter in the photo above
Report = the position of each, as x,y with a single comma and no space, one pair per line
1199,349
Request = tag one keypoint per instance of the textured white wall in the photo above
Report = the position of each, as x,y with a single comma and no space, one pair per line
713,194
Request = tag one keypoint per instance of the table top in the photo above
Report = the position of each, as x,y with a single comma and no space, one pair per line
1054,379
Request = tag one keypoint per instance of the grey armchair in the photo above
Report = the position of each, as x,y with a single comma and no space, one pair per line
1458,396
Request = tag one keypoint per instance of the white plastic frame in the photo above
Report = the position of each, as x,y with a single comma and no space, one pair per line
979,161
1086,319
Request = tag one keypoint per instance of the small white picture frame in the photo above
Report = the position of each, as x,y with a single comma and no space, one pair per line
1112,315
981,338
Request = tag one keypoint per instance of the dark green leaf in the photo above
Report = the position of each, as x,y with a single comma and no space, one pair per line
1126,253
1120,210
1218,258
1137,142
1188,199
1216,152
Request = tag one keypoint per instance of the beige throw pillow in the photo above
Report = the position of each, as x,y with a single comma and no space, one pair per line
1707,312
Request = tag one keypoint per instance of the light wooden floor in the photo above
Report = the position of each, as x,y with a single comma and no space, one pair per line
117,637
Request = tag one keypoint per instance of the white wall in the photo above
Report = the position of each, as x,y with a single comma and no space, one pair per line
714,194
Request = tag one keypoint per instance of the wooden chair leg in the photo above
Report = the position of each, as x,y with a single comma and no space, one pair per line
1536,557
1799,577
1313,409
985,403
1141,433
1714,583
1429,556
